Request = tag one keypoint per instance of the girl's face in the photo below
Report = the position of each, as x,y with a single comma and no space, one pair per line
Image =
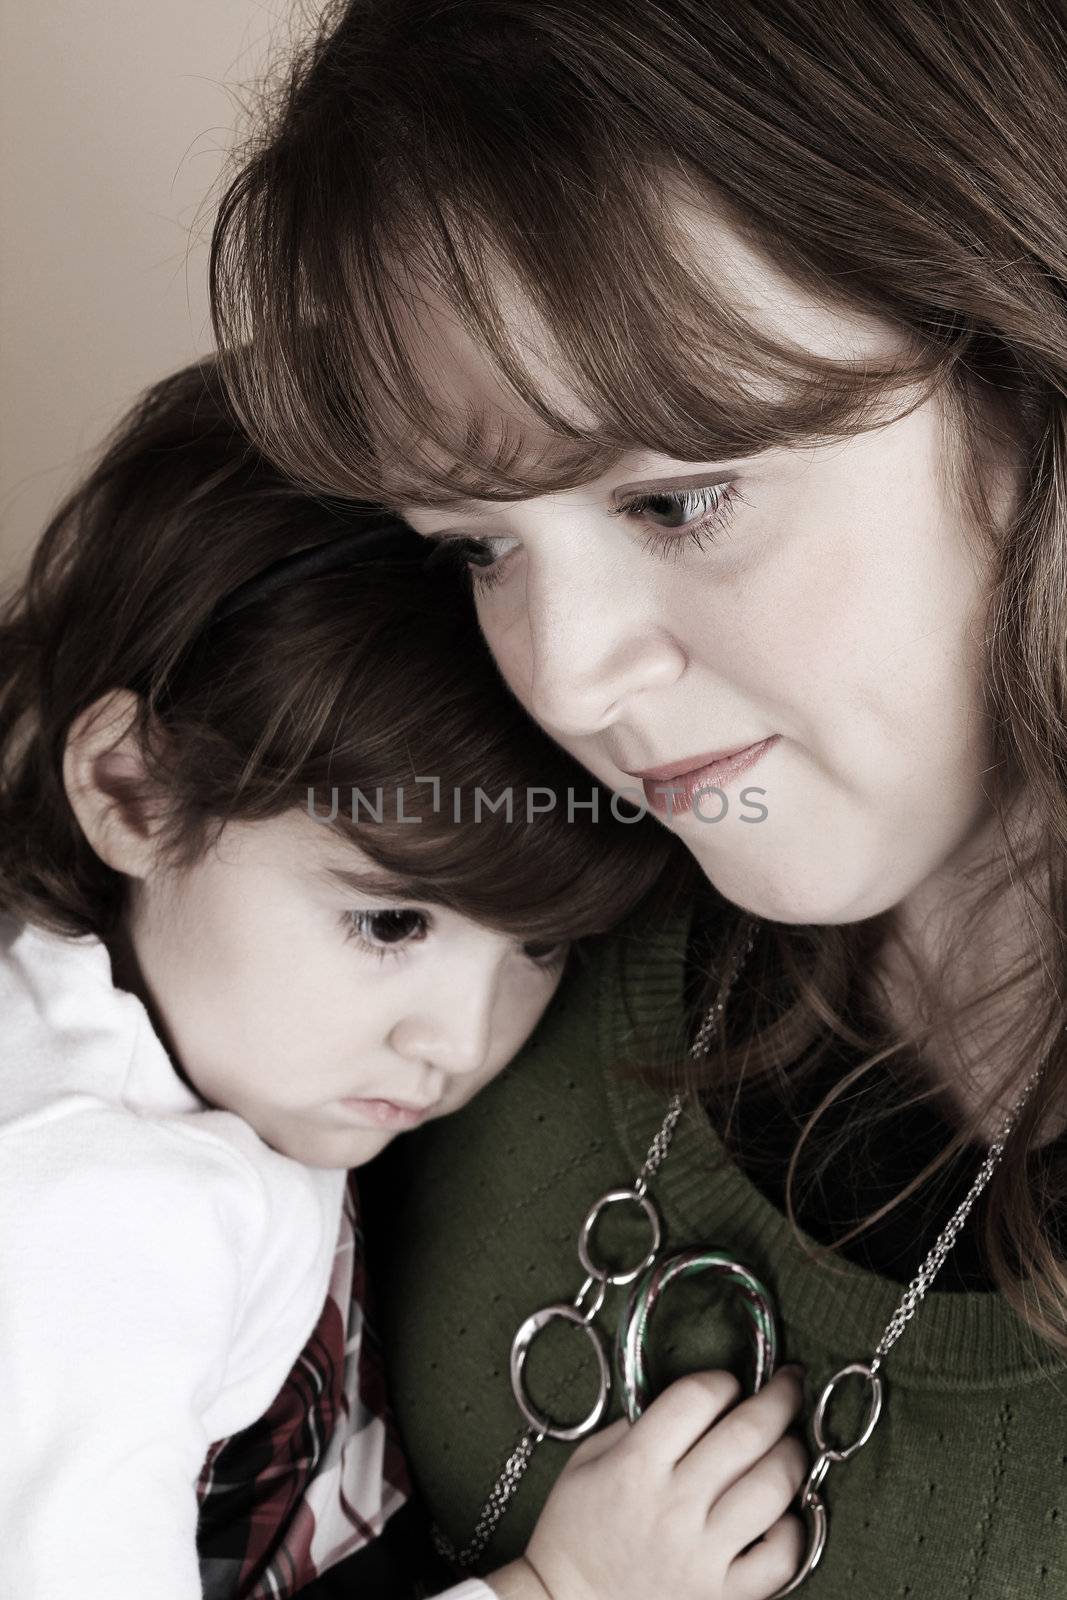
326,1018
827,600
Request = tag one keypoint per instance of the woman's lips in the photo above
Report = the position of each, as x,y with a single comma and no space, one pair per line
675,794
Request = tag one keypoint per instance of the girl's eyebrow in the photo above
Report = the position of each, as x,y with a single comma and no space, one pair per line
363,881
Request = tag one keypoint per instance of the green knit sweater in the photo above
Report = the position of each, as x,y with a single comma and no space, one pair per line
961,1491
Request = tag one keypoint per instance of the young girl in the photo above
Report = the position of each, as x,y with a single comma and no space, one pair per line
726,345
256,922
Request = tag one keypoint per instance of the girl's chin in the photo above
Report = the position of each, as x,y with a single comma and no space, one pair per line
335,1148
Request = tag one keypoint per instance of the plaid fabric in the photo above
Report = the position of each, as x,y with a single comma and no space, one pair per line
321,1472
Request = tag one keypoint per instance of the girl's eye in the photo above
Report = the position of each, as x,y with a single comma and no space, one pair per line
383,933
545,952
696,514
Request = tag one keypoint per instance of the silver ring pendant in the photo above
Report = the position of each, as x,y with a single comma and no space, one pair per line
812,1503
618,1197
520,1346
645,1295
874,1411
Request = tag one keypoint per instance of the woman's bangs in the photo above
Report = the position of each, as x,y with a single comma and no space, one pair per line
458,337
589,325
453,406
491,366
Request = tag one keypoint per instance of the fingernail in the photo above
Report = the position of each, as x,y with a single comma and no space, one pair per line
795,1368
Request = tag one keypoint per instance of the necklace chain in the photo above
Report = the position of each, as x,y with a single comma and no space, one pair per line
933,1262
578,1312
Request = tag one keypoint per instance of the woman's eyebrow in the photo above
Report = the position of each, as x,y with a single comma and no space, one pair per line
448,508
624,491
674,480
463,511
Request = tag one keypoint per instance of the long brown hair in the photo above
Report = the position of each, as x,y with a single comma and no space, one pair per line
902,161
328,693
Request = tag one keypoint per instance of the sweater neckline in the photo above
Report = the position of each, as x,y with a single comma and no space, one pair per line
959,1339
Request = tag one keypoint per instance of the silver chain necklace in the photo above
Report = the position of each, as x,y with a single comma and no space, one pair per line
646,1282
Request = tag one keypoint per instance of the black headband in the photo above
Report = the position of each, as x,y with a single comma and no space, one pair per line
382,539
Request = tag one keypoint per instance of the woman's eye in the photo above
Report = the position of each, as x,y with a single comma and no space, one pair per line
678,508
546,952
696,514
686,516
384,932
481,559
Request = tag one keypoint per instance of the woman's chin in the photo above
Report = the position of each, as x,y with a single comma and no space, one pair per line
801,892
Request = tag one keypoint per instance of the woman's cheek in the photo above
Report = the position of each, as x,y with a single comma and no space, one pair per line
506,631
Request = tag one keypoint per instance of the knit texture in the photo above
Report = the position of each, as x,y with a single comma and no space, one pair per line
962,1489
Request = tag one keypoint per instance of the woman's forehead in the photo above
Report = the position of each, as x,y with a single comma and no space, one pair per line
767,297
527,416
734,266
464,384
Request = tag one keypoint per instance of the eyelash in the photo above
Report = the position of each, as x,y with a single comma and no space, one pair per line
351,920
553,954
486,575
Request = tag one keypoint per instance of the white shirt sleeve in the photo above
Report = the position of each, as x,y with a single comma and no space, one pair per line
128,1255
471,1589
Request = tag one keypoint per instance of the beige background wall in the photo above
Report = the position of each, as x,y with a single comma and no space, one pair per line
114,119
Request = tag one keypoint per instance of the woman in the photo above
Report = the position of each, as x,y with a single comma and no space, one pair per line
728,348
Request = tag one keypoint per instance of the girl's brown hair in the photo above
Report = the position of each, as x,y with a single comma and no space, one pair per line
356,681
903,161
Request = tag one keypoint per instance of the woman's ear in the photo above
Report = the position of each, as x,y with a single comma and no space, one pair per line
106,783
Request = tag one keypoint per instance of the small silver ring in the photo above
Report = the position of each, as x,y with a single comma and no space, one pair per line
813,1482
873,1412
617,1197
815,1516
585,1312
520,1346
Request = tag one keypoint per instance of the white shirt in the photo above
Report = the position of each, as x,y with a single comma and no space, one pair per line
161,1269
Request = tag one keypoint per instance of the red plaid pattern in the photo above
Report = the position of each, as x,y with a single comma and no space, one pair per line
321,1472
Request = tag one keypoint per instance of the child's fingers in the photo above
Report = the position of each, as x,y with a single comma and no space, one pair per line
599,1443
769,1565
683,1414
762,1496
744,1436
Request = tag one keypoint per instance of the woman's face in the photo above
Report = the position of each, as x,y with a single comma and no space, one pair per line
829,600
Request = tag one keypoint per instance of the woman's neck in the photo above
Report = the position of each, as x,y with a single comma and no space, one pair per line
944,953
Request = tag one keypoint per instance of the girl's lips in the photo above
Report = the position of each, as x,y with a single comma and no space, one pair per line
674,796
387,1114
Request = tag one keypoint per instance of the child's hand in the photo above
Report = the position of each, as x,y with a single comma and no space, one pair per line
666,1507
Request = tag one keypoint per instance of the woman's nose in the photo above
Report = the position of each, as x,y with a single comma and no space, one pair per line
595,641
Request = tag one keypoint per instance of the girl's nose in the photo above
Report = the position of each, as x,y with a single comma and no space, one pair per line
448,1025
